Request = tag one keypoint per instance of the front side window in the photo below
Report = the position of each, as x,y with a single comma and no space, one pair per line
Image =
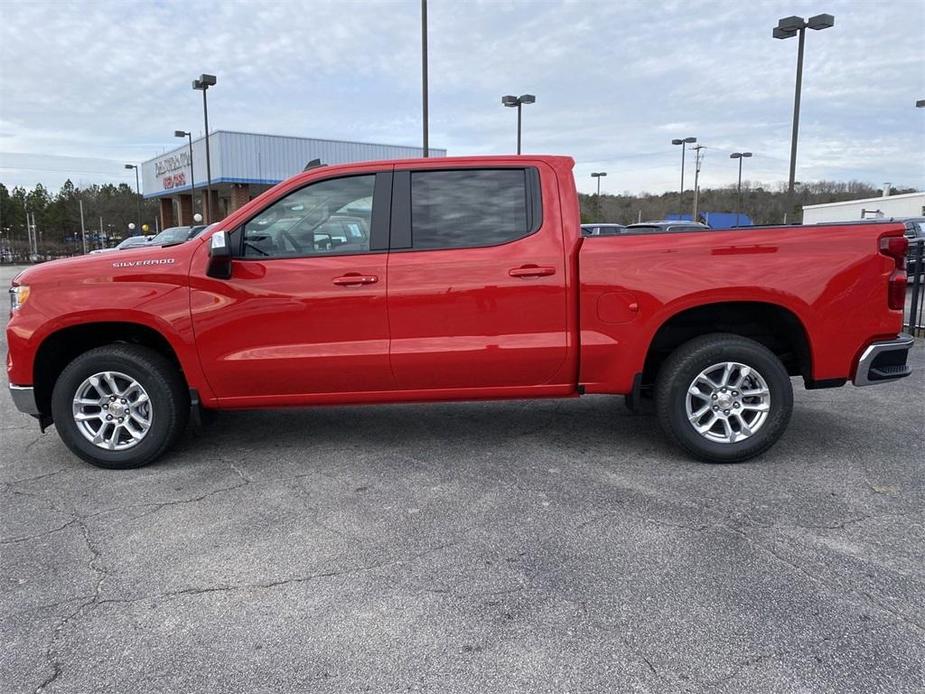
327,217
467,208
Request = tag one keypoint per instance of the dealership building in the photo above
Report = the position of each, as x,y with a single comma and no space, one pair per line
243,165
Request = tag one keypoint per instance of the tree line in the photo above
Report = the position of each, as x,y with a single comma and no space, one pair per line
764,204
57,218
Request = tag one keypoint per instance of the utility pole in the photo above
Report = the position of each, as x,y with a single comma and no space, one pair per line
699,158
83,228
101,232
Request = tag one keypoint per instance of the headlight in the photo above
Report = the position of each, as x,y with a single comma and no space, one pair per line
18,296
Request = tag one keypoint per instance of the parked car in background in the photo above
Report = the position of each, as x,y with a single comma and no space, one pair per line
664,225
131,242
172,235
602,229
915,232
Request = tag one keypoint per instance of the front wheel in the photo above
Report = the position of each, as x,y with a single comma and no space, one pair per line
120,406
724,398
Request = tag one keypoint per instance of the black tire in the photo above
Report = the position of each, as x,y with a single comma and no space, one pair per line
690,359
167,392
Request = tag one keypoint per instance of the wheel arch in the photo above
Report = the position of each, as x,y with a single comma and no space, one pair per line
775,326
59,348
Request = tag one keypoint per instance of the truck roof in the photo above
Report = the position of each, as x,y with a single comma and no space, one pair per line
486,159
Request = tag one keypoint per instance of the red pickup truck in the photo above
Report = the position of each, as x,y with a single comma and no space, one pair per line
452,279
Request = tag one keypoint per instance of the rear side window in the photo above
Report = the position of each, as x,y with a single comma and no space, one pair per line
472,207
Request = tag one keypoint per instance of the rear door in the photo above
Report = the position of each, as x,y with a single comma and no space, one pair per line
477,278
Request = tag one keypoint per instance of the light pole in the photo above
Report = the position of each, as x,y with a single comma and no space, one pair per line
786,28
189,135
137,194
203,84
598,175
424,74
518,101
698,157
920,103
683,141
740,156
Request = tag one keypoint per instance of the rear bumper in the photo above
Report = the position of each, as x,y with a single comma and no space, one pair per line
24,399
885,361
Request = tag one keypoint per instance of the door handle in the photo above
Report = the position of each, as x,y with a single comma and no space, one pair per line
354,279
532,271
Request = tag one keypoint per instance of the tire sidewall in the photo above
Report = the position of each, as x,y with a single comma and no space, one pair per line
163,406
709,353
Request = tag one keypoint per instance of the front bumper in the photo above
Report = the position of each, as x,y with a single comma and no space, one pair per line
885,361
24,399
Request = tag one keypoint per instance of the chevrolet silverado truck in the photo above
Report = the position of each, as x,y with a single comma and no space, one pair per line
452,279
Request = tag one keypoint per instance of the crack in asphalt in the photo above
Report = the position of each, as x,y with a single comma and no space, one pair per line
835,590
267,585
27,538
50,650
617,631
11,483
809,648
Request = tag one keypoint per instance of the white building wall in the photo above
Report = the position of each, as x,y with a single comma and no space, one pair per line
905,205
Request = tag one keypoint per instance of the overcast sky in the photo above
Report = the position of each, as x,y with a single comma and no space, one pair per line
87,86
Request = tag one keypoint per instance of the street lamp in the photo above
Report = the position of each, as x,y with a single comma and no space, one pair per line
203,84
137,193
786,28
518,101
424,115
683,141
598,175
189,136
920,103
740,156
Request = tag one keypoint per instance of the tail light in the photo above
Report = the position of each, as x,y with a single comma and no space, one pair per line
896,291
896,247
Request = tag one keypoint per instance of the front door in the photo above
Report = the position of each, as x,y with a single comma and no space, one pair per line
304,313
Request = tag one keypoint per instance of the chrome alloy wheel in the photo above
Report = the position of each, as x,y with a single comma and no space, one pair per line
112,411
728,402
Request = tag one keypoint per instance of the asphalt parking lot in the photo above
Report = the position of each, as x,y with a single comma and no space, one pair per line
557,546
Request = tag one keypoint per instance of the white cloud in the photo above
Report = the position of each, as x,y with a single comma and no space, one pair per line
614,82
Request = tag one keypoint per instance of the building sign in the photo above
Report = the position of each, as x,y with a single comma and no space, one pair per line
169,170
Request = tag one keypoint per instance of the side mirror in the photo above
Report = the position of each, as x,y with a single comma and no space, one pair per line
219,256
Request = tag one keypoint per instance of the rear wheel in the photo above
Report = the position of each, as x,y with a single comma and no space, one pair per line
120,406
724,398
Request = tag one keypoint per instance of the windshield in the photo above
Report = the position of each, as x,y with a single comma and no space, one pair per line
171,235
132,241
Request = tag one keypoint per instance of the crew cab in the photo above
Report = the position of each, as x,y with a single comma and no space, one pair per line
452,279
